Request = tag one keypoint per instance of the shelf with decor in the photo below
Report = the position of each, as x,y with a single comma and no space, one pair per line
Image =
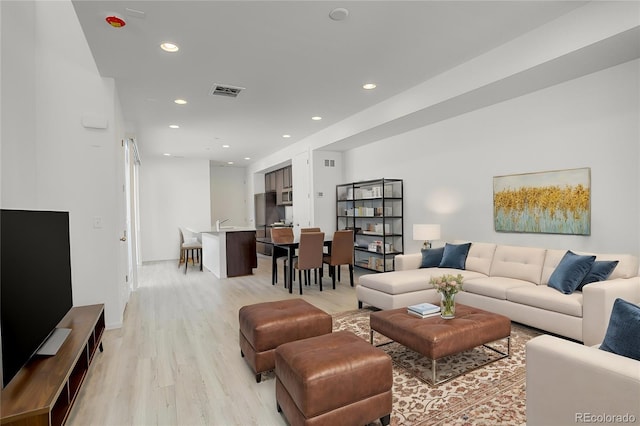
374,210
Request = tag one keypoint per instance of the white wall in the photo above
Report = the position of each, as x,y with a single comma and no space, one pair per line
174,192
229,196
49,161
448,167
324,182
18,83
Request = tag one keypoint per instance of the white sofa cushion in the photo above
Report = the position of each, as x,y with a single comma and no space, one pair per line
466,274
495,287
551,261
479,257
547,298
522,263
399,282
408,261
396,282
627,264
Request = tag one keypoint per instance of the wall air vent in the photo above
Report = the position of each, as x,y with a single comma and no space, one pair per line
225,90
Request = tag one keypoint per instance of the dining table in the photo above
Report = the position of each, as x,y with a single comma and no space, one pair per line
290,245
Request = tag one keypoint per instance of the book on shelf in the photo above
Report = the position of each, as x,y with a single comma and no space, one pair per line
376,229
380,264
415,314
424,308
377,245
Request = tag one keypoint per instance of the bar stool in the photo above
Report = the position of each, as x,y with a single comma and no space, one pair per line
190,245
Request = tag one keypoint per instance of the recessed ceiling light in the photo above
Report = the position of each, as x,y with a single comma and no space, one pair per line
247,158
316,118
174,126
180,101
166,154
339,14
369,86
169,47
229,162
286,136
225,146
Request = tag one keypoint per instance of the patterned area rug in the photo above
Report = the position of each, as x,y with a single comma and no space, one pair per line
493,394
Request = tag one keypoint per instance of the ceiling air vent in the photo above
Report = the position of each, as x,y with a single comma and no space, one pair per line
225,90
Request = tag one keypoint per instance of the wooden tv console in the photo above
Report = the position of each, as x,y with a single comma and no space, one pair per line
44,390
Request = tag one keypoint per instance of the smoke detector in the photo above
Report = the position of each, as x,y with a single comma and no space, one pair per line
225,90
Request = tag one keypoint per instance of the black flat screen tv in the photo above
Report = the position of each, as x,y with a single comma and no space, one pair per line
35,291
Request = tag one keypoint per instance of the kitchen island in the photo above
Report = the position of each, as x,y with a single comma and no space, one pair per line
229,251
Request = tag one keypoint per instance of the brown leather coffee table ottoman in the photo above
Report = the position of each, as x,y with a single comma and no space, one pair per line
436,338
335,379
264,326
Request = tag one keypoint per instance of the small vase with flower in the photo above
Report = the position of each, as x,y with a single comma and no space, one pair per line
447,285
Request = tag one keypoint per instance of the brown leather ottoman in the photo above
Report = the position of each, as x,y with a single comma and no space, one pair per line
436,338
335,379
264,326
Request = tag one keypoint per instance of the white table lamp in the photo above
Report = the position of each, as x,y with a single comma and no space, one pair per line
426,233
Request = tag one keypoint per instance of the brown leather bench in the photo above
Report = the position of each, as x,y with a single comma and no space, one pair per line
436,338
264,326
335,379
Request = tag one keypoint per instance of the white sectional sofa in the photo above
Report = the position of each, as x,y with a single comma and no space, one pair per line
512,281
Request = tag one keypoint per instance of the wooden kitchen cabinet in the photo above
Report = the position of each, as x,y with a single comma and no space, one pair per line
279,186
270,182
241,253
279,181
287,181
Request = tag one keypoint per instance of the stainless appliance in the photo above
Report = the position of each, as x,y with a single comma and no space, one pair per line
287,197
266,213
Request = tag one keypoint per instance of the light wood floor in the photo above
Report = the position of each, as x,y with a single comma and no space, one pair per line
176,360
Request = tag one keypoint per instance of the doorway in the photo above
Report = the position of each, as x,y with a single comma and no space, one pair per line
130,219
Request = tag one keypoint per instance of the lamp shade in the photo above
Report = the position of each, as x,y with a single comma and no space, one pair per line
427,232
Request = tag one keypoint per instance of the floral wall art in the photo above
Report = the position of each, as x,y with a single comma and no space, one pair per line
553,202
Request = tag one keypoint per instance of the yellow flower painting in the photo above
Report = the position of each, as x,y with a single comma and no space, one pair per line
555,202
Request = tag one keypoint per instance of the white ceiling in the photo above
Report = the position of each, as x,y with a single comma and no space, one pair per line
292,59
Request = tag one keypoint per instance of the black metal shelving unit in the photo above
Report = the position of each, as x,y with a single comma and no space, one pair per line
374,210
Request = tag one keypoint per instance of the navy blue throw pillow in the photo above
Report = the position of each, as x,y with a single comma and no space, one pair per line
570,271
600,271
455,256
623,332
431,257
